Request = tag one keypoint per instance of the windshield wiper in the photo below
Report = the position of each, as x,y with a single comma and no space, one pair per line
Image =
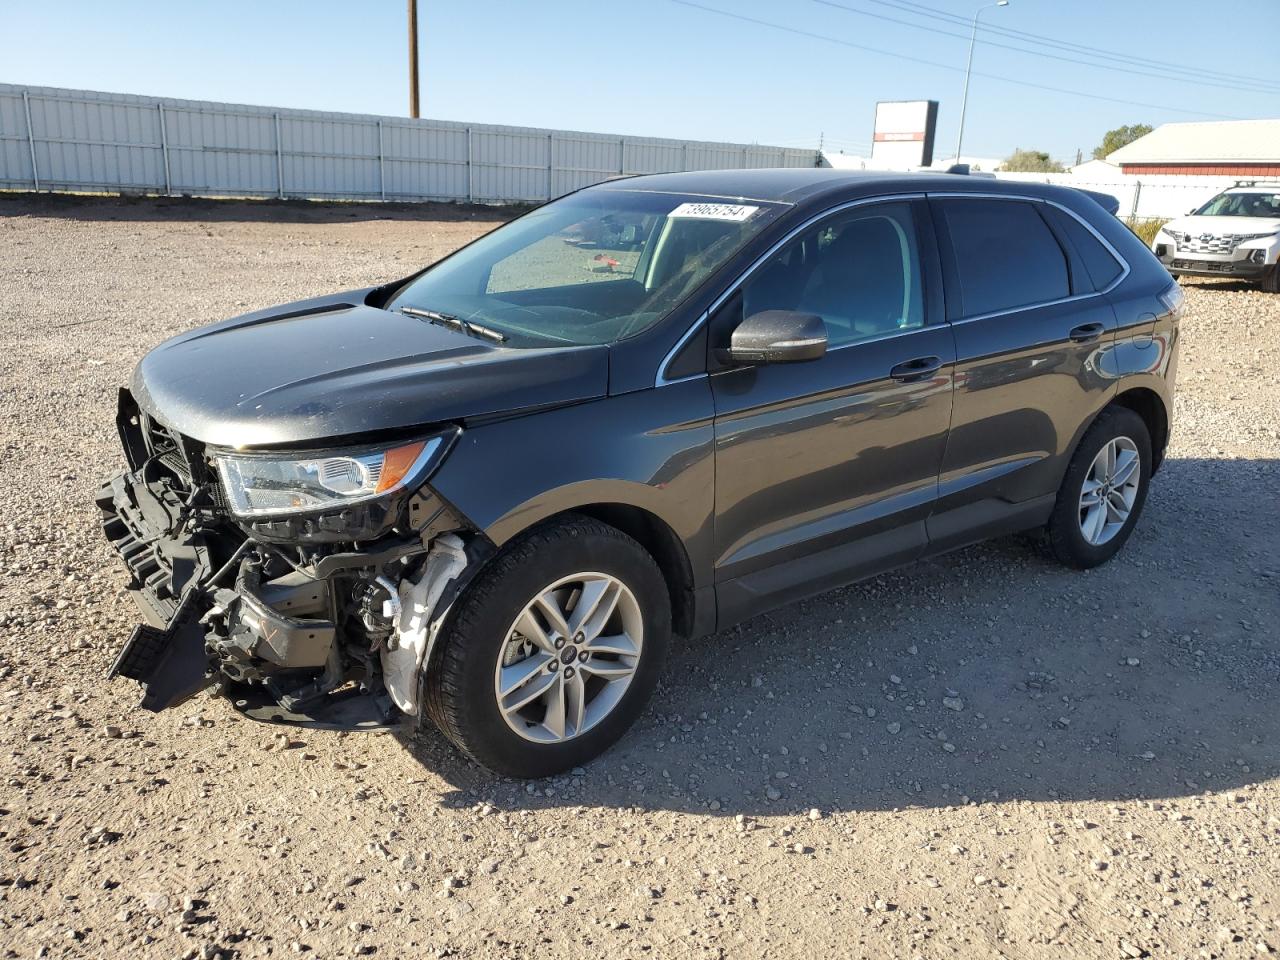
456,323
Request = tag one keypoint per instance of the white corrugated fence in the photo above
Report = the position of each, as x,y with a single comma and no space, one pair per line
76,140
1149,196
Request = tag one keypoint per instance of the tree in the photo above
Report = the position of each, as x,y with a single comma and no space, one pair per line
1113,140
1030,161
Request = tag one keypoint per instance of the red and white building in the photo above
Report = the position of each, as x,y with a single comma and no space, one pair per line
1220,148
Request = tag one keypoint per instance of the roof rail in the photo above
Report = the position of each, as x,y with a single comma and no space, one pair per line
962,169
1256,183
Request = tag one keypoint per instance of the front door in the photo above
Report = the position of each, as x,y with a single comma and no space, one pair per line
827,469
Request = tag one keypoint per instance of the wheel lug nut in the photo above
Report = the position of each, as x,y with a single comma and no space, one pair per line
582,656
553,666
568,673
579,638
559,642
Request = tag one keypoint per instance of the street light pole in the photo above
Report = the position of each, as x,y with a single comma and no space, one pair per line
413,58
964,100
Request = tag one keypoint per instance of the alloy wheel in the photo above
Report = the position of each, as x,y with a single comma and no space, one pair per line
569,657
1109,490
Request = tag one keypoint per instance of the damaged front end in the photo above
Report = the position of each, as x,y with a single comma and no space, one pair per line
304,597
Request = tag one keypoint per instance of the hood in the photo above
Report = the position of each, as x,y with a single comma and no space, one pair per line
1221,226
329,368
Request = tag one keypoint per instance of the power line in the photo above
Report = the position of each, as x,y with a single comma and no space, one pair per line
920,9
945,66
1050,56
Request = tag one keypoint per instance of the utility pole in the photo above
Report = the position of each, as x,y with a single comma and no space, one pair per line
968,68
413,58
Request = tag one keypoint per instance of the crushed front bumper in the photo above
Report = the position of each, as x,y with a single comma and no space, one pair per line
167,568
272,648
290,631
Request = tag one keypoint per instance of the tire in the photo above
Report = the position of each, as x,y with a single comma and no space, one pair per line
463,683
1271,282
1065,532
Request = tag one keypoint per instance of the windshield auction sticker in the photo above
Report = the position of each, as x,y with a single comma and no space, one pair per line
733,212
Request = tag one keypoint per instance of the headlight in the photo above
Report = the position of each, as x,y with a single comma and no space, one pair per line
259,484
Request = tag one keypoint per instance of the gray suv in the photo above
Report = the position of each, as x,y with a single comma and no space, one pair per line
495,492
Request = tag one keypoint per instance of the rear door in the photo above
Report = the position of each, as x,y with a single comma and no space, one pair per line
1033,343
826,469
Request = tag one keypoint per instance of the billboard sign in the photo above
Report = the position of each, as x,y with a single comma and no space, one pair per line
903,135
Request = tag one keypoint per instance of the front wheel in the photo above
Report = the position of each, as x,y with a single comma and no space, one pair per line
1271,281
553,650
1103,492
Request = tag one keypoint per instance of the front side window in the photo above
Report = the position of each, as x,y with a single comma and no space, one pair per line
859,271
1246,204
594,267
1006,257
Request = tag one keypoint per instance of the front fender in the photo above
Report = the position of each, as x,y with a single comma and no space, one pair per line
652,449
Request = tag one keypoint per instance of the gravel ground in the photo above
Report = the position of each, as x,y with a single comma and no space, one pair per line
981,756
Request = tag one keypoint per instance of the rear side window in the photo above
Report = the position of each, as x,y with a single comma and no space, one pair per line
1005,255
1101,265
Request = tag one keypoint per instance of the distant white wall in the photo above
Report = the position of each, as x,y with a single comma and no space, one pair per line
76,140
1148,196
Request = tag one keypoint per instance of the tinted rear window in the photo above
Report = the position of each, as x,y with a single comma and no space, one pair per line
1006,255
1102,267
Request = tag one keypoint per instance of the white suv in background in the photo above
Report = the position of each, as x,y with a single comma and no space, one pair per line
1236,234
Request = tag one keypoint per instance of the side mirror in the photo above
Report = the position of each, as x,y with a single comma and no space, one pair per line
778,336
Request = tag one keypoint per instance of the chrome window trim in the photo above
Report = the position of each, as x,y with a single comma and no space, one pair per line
1125,269
661,379
887,335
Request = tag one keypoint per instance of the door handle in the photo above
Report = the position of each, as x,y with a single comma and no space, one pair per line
1086,332
921,368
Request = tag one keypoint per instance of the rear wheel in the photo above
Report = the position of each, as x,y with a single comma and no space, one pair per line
1103,492
553,650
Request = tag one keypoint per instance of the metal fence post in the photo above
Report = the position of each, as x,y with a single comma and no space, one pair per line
744,156
164,151
31,140
622,155
279,160
382,173
684,155
551,164
1137,192
470,177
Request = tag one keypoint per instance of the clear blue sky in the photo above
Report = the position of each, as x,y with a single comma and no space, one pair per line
665,68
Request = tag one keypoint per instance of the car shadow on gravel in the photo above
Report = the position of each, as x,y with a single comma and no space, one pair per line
991,673
239,210
1211,283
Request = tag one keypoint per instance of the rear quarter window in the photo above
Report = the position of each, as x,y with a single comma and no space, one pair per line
1006,256
1100,264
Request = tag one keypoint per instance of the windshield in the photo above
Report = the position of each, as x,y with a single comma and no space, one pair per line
1242,205
594,267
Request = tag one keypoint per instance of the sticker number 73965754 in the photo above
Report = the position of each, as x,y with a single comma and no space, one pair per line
733,212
